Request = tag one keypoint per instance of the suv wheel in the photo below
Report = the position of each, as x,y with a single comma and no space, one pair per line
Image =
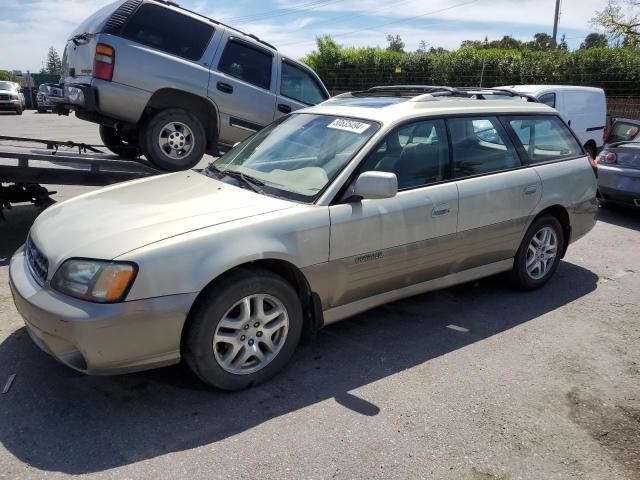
19,110
244,330
174,140
117,144
539,253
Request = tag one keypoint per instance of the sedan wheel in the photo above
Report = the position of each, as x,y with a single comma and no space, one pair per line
243,329
541,253
251,334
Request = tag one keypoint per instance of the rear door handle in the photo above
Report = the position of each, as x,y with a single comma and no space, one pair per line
441,210
284,108
530,190
224,87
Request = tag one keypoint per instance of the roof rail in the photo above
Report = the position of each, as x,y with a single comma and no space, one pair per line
415,91
250,35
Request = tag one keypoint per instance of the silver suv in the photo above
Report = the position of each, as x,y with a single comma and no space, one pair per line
325,213
171,84
11,97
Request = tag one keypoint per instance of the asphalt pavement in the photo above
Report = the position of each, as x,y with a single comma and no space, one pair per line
479,381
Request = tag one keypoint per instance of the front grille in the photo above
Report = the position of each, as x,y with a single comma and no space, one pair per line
38,263
4,96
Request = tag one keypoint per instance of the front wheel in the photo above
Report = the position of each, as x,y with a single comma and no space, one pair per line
539,254
244,330
19,110
174,140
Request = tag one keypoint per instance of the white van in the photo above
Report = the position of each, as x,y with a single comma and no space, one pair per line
583,108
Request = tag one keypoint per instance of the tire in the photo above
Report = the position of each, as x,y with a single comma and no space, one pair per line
19,110
205,353
174,140
117,144
591,150
526,278
42,110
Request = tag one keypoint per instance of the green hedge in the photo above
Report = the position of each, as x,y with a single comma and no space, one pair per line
617,70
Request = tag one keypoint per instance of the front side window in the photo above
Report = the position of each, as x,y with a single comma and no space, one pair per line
168,31
480,145
548,99
417,153
300,86
247,63
297,156
544,138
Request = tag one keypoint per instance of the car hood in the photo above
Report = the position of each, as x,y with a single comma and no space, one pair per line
12,92
112,221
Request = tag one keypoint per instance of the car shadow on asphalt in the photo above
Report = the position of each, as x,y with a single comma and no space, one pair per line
55,419
627,217
14,230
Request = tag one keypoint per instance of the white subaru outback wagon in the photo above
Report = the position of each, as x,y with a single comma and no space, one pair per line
367,198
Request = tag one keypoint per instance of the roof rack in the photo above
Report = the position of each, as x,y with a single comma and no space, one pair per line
250,35
413,91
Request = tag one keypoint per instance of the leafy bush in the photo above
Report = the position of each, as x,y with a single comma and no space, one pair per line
616,70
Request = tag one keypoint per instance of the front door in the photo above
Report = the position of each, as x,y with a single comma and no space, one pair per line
381,245
242,85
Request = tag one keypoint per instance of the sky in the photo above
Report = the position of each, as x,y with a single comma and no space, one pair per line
29,27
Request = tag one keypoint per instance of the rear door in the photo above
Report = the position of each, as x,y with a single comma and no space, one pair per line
242,85
299,88
497,195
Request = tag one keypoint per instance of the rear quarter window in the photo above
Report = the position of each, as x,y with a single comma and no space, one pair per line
544,138
169,31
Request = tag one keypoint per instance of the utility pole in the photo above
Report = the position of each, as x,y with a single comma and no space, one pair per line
554,42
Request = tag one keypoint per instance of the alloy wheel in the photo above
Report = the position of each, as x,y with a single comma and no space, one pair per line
541,252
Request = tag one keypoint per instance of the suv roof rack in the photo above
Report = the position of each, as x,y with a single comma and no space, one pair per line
250,35
411,91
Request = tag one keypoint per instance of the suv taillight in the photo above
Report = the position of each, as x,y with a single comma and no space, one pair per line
104,62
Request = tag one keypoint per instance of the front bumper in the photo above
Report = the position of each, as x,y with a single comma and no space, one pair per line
10,104
99,339
619,184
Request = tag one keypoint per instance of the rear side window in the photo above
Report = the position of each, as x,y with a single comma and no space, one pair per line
480,145
168,31
300,85
544,138
548,99
247,63
623,132
417,153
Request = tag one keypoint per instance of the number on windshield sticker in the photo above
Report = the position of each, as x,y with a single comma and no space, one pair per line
347,125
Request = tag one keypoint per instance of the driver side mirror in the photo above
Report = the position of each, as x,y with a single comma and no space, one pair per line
375,185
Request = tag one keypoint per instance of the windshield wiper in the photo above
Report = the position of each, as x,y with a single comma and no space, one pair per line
252,182
82,38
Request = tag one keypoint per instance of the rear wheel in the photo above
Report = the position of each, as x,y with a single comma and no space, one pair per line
174,140
244,330
118,144
539,254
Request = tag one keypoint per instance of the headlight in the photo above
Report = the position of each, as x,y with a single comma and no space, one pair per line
14,97
95,280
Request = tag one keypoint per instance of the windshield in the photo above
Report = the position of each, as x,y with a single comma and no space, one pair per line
8,86
297,156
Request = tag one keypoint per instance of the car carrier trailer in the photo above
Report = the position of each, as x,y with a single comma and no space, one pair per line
24,169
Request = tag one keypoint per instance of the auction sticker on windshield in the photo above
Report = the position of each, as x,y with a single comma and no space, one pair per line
348,125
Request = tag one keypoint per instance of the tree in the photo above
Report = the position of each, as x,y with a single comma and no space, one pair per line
395,44
594,40
563,45
8,76
472,44
541,41
54,64
620,22
422,46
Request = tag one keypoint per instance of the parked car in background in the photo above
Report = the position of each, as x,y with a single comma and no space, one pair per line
43,97
11,97
171,84
583,108
619,164
365,199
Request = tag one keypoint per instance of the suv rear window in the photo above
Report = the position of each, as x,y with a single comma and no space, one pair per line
247,63
168,31
623,132
544,138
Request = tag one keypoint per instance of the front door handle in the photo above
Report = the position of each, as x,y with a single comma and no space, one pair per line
530,190
284,108
224,87
441,210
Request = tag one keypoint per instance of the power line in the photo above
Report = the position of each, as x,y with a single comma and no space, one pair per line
374,27
273,13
